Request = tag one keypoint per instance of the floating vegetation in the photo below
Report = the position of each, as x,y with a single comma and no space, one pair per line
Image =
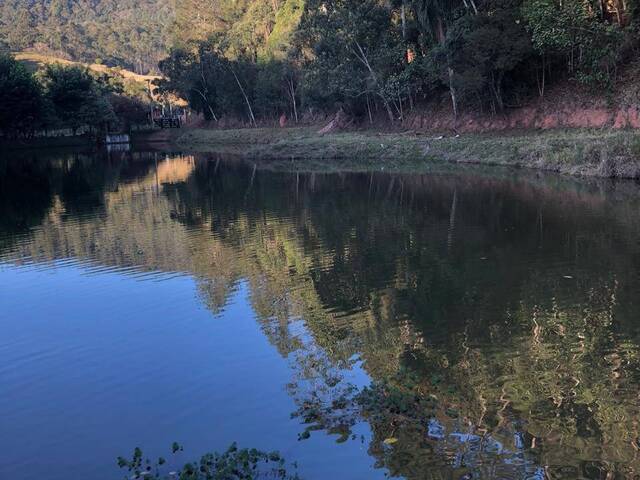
397,400
234,464
391,406
336,411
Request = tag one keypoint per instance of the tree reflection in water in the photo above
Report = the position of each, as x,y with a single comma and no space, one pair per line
494,313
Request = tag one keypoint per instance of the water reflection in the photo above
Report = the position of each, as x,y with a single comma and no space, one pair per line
495,314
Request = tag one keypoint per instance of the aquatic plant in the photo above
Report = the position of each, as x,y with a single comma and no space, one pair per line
234,464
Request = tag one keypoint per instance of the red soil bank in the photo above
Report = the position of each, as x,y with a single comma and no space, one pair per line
531,117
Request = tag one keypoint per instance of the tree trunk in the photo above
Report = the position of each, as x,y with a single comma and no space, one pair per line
452,92
203,92
496,86
206,101
246,99
542,78
295,106
387,107
440,35
360,55
292,94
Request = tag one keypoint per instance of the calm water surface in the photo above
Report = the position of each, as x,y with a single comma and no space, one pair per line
451,324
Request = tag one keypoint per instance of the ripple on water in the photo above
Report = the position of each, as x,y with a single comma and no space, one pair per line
147,302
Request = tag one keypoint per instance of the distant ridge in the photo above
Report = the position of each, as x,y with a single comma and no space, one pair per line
34,61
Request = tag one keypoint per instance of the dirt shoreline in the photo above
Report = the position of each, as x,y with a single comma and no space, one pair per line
606,153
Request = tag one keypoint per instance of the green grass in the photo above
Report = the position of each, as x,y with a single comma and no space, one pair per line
613,153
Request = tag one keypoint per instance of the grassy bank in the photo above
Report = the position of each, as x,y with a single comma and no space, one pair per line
603,153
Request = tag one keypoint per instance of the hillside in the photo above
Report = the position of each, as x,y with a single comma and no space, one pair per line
134,84
466,66
35,61
137,34
134,34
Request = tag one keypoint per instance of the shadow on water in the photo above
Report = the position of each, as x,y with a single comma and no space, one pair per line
494,312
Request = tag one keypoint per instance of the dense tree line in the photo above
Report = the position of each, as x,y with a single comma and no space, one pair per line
259,59
374,58
130,33
61,97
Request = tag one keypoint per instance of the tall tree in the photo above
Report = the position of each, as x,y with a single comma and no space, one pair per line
21,102
77,99
355,50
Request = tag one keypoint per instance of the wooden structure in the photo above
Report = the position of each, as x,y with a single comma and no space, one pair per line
168,118
168,122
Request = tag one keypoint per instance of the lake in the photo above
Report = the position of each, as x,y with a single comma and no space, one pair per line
455,322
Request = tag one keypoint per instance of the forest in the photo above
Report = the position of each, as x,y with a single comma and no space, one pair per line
382,59
376,60
67,97
133,34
